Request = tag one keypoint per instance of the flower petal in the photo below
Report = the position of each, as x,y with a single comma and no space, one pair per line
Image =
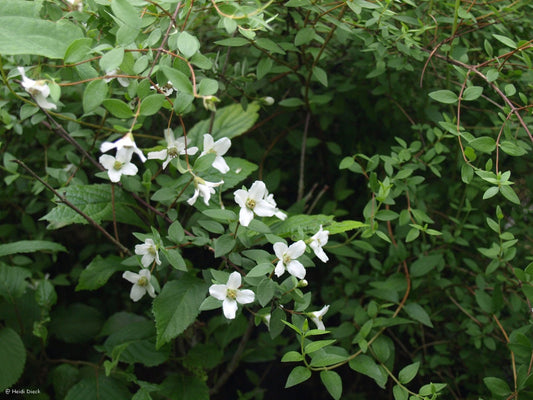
158,155
192,200
280,268
279,249
220,164
129,169
257,190
221,146
295,250
245,296
245,216
234,280
296,269
264,209
218,291
131,276
137,292
229,307
240,197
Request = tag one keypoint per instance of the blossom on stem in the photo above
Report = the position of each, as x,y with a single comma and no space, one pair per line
318,240
141,284
230,295
38,89
253,201
220,147
119,165
126,142
175,148
203,188
269,198
287,256
124,82
167,89
316,317
148,251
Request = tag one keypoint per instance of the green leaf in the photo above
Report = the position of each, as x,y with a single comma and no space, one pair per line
96,202
21,34
13,282
497,386
265,291
321,76
304,36
416,312
399,393
386,215
126,13
467,173
152,104
188,45
94,94
343,226
112,59
490,192
76,323
177,306
263,67
78,50
98,272
333,383
513,148
366,365
485,144
509,194
207,87
100,387
472,93
175,259
179,80
444,96
12,358
292,356
30,246
298,375
408,373
269,45
230,121
118,108
233,42
261,270
505,40
224,244
291,102
317,345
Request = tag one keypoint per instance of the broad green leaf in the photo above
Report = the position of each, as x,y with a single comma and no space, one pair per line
292,102
126,13
118,108
497,386
233,42
509,194
505,40
265,291
321,76
76,323
112,59
513,148
263,67
21,34
343,226
399,393
96,202
179,80
94,95
261,270
467,173
490,192
333,383
292,356
30,246
188,45
304,36
444,96
408,373
13,282
472,93
317,345
416,312
298,375
98,272
224,244
177,306
152,104
307,223
12,358
184,387
484,144
175,259
229,122
366,365
100,387
207,87
78,50
221,215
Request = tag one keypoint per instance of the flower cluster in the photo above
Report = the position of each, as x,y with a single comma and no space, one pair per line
142,281
38,89
256,201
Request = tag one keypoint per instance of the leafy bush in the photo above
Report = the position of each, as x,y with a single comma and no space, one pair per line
244,199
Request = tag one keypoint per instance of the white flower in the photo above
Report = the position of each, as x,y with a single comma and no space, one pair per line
253,201
287,258
175,147
38,89
149,253
204,189
266,320
126,142
269,198
167,89
76,4
220,147
121,165
316,317
318,240
124,82
141,284
231,295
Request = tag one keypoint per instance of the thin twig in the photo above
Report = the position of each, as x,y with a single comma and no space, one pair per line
302,157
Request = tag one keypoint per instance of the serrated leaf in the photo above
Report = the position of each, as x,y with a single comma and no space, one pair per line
298,375
98,272
444,96
333,383
177,306
30,246
12,358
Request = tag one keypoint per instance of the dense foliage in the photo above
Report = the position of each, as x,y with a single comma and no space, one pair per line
255,200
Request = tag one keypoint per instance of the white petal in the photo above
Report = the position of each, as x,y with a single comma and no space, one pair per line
43,103
296,269
234,280
218,291
129,169
280,269
107,161
281,215
106,146
192,200
319,324
279,249
245,216
150,289
221,146
295,250
205,192
137,292
147,260
158,155
245,296
141,249
114,175
240,197
264,208
229,306
220,164
131,276
208,143
257,191
321,254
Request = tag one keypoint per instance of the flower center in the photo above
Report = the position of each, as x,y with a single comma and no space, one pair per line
172,152
143,281
231,293
286,258
117,165
250,203
152,250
